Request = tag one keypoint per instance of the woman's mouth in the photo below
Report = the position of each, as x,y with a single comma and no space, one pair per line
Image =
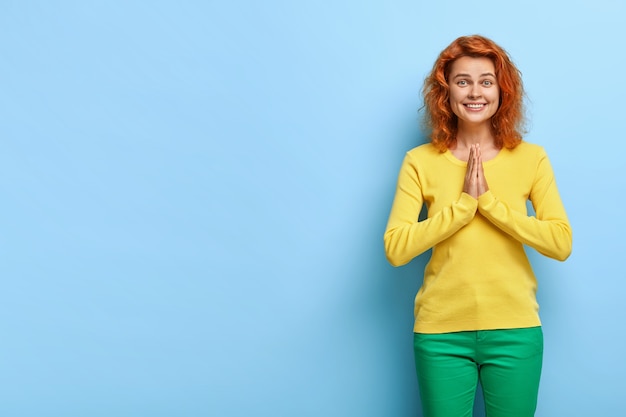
475,106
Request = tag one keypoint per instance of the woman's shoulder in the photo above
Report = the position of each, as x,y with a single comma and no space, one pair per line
426,150
528,150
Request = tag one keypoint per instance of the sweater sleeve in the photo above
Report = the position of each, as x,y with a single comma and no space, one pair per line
550,232
405,236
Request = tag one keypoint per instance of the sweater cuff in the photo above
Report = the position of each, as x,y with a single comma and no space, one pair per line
468,202
486,200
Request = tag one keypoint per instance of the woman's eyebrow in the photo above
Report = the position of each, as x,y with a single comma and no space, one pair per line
486,74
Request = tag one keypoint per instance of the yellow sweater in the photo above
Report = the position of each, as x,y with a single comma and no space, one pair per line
478,276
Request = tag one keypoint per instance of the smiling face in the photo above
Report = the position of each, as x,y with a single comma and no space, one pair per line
474,91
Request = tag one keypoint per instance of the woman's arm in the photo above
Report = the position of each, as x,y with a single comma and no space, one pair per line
405,236
550,232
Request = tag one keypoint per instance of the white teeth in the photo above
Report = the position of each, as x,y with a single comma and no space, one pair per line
474,106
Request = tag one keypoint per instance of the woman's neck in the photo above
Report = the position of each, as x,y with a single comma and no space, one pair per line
481,134
470,135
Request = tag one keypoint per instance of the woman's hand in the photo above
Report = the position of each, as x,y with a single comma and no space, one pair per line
475,182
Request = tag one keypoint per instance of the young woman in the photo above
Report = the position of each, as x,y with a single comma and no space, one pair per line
476,314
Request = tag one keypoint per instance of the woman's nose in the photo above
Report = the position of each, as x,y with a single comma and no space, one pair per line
474,91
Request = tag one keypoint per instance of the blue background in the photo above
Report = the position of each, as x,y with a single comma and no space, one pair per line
194,195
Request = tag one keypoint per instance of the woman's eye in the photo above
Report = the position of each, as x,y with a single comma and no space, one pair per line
487,83
462,83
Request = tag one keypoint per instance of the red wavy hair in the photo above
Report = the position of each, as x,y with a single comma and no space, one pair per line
508,121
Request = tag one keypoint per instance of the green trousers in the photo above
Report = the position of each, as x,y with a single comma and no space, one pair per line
506,362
